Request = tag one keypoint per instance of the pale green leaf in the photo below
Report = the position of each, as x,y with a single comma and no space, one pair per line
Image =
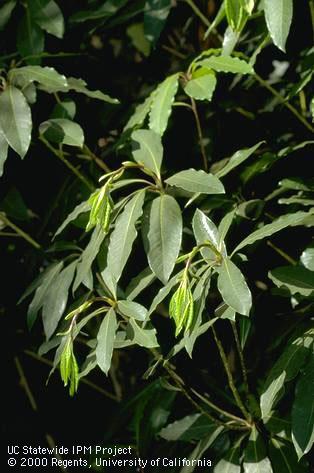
48,16
143,337
132,309
255,457
233,288
206,231
187,429
224,226
303,411
274,227
297,279
47,77
164,236
285,369
15,120
307,258
56,299
163,99
140,113
148,149
79,86
230,463
192,180
140,282
278,15
227,64
202,84
62,130
105,340
201,448
3,151
237,158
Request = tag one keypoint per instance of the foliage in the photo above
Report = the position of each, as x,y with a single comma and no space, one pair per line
179,219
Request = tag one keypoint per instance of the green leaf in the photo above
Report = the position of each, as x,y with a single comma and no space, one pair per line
140,113
123,236
132,309
224,226
192,427
255,459
140,282
78,210
155,15
15,120
202,84
143,337
206,231
278,15
47,77
138,38
64,109
237,158
88,256
303,411
227,64
230,463
297,279
164,236
41,292
235,14
3,151
282,222
5,13
108,9
48,16
285,369
30,39
233,288
201,448
148,149
79,86
62,130
105,340
163,292
56,299
196,181
163,99
307,258
283,458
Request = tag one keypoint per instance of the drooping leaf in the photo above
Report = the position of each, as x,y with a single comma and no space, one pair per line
206,231
274,227
143,336
227,64
285,369
132,309
30,39
48,16
56,299
5,13
255,457
237,158
62,130
202,84
79,86
78,210
163,99
123,236
4,147
297,279
283,458
164,236
233,288
303,411
105,340
155,16
196,181
148,149
88,256
278,15
47,77
307,258
15,120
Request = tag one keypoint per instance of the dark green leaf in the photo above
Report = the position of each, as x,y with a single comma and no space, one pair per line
62,130
5,13
237,158
201,448
283,458
297,279
30,39
230,463
108,9
105,340
255,458
155,16
140,282
78,210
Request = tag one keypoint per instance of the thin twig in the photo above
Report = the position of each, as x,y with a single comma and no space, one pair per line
230,377
95,158
24,384
52,445
198,12
200,134
19,231
173,51
241,357
282,253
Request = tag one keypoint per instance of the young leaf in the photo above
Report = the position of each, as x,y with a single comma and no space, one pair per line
15,120
255,458
205,230
227,64
123,236
105,340
202,84
163,99
164,236
56,299
50,80
30,39
235,14
282,222
297,279
303,411
196,181
278,15
62,130
132,309
48,16
88,256
233,288
285,369
3,151
155,16
237,158
148,149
